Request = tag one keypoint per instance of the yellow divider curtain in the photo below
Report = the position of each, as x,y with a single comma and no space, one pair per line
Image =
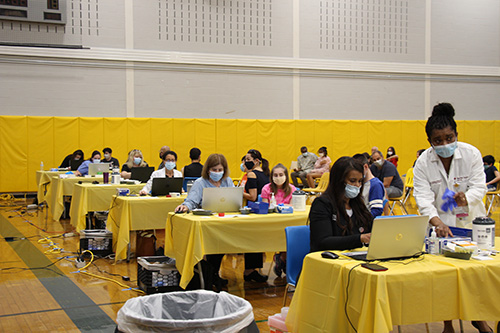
26,141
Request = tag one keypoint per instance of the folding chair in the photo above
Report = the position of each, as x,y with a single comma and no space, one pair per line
297,247
490,199
322,185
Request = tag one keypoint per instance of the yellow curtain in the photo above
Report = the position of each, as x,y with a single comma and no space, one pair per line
26,141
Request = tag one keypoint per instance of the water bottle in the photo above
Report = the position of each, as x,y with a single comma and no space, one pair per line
41,166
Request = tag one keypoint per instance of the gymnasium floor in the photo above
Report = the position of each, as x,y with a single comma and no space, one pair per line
40,291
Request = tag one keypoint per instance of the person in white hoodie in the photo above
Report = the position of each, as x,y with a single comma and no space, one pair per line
451,165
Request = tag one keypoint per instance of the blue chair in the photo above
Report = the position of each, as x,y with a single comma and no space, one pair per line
188,180
297,247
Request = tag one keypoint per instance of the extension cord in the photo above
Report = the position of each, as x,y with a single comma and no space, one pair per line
32,206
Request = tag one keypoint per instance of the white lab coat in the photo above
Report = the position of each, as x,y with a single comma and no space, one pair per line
466,175
159,174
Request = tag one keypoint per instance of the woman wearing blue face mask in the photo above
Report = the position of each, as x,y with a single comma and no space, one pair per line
135,159
339,219
169,171
83,169
452,165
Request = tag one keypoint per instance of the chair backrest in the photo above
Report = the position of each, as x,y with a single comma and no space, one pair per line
188,180
297,247
323,182
409,178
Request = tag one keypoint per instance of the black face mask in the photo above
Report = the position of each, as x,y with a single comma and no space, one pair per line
249,165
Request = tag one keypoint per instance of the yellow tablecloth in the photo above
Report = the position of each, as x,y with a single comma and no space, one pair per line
43,180
429,290
137,213
61,187
189,237
89,197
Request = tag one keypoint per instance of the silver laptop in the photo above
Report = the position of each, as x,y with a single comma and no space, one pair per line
395,237
222,199
98,168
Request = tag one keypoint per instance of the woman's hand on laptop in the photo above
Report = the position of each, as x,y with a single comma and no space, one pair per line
181,209
442,230
365,238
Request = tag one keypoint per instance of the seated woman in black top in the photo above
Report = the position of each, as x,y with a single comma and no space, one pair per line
135,159
76,156
194,169
339,219
257,175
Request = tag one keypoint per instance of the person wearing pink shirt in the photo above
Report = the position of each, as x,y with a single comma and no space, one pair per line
321,166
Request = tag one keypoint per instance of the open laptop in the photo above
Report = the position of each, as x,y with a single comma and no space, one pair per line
141,173
98,168
222,199
163,186
395,237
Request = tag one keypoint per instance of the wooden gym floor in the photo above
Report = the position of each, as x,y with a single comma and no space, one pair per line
40,291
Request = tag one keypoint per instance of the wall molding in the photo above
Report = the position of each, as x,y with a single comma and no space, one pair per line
11,54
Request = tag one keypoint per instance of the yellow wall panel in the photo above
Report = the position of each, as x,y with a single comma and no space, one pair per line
25,141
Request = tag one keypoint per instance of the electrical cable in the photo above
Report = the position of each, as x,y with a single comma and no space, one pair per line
347,295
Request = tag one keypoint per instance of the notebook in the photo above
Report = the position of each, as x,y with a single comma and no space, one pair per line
163,186
98,168
222,199
395,237
141,173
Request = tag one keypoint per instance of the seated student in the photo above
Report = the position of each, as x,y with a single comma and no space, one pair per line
419,152
388,175
162,151
392,157
110,159
83,169
373,190
257,174
280,186
491,172
194,169
134,160
170,161
321,166
215,173
76,156
339,219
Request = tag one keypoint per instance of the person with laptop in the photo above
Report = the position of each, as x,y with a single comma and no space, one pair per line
194,169
135,159
110,159
339,219
373,190
449,165
170,161
77,156
83,169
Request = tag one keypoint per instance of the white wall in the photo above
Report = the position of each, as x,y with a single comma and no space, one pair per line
268,59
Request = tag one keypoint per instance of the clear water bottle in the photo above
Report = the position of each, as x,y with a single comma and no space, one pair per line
41,166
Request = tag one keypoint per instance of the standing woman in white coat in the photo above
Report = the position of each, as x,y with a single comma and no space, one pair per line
452,165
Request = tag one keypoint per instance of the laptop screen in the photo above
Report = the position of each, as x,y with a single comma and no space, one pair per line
164,186
98,168
141,173
222,199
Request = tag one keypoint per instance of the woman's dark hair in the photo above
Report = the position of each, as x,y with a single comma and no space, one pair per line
324,150
393,151
265,164
335,193
489,159
78,152
170,152
194,153
442,117
286,185
95,152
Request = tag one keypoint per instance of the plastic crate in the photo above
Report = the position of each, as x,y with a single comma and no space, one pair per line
99,241
157,274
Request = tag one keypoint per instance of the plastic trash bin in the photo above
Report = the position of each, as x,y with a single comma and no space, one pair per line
187,311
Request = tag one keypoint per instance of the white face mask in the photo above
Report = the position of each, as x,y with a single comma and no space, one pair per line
321,154
379,163
107,156
304,154
279,180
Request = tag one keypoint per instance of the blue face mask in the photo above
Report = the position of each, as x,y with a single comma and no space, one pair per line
486,167
242,167
170,165
216,176
446,151
137,160
351,191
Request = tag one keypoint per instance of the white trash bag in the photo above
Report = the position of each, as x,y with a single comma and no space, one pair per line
185,311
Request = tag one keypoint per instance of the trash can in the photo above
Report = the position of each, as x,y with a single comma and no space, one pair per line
187,311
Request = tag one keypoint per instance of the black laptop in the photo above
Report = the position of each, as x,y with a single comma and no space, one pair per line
164,186
141,173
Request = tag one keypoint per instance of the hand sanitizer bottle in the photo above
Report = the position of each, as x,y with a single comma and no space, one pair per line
433,243
272,203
